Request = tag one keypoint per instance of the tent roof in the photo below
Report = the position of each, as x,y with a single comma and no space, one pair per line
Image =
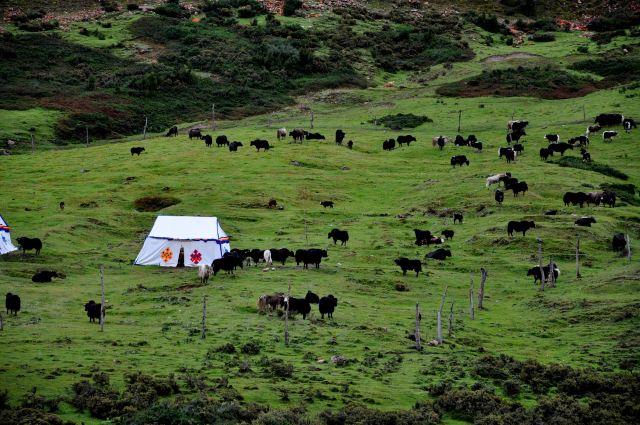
187,228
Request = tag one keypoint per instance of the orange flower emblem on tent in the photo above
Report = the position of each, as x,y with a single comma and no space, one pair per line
196,256
166,255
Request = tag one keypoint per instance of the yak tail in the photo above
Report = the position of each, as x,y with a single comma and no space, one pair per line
558,270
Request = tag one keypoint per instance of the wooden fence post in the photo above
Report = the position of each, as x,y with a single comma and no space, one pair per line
552,275
213,116
102,306
439,330
417,334
286,318
483,279
450,329
312,117
86,135
542,276
578,276
204,317
144,130
1,321
628,241
33,144
472,312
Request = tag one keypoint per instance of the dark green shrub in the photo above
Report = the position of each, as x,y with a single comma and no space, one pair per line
542,37
574,162
487,22
250,348
171,9
226,348
154,203
583,49
511,388
611,66
291,7
132,7
400,121
612,21
607,37
548,25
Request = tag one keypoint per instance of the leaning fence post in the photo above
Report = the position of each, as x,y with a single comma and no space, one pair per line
552,275
102,306
417,334
628,241
542,277
483,279
472,312
204,317
286,318
578,276
439,330
1,321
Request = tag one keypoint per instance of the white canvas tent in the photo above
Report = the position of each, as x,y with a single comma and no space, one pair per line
202,239
5,238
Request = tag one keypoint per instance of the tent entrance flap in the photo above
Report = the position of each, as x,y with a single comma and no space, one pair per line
5,238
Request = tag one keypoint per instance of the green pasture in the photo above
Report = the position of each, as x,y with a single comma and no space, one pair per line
154,313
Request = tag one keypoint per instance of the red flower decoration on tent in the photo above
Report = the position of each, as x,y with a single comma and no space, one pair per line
166,255
196,256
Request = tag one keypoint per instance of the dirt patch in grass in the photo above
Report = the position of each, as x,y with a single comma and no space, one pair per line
154,203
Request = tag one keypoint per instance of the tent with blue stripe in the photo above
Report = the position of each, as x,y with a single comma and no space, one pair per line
201,239
5,238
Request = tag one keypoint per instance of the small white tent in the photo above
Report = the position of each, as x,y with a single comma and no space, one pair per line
202,239
5,238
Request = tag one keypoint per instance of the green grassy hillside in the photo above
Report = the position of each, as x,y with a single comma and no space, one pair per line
154,314
575,346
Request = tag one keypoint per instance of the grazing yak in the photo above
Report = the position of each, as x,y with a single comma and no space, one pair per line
497,178
173,131
281,133
93,311
61,205
585,221
545,153
315,136
592,129
581,140
439,141
517,125
327,305
560,147
271,302
312,298
27,244
628,124
339,235
551,212
440,254
208,140
459,160
222,140
256,255
272,203
298,134
137,150
195,132
234,260
226,263
204,273
434,240
422,236
457,217
339,136
515,136
510,182
310,256
327,204
518,148
406,264
619,242
12,303
552,138
448,234
608,135
520,187
499,196
281,254
586,156
350,144
471,139
405,139
459,141
575,198
594,198
509,153
520,226
46,276
233,146
260,144
476,145
298,305
389,145
609,119
535,272
609,198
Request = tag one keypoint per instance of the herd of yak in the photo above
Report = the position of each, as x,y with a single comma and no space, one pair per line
239,257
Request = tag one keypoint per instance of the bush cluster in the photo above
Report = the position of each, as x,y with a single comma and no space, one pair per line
400,121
